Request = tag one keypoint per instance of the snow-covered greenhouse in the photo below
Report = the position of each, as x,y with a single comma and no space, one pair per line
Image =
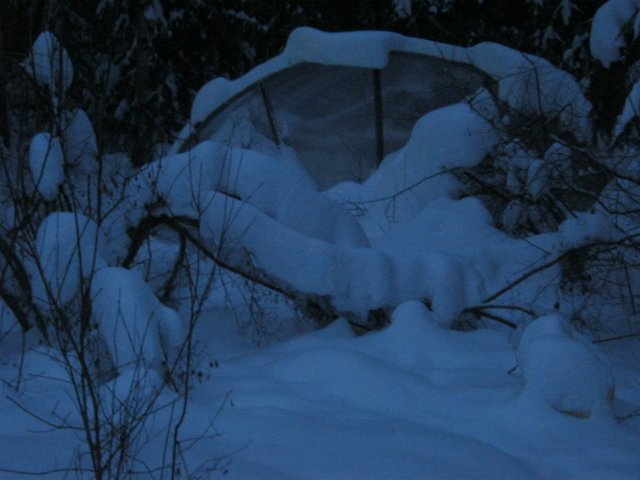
344,101
340,106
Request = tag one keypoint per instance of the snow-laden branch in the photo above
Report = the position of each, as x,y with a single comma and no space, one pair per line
607,30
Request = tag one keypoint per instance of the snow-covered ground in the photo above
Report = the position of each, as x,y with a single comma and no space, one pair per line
412,401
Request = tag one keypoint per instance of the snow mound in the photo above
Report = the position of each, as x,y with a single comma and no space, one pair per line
367,49
416,340
274,189
563,370
156,260
356,279
137,328
412,332
607,39
69,248
132,389
402,8
49,64
585,228
444,139
630,110
185,181
46,161
80,145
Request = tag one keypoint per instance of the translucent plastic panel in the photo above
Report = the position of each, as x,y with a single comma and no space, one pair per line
327,113
232,121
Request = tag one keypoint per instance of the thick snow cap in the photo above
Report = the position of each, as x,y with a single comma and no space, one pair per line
46,161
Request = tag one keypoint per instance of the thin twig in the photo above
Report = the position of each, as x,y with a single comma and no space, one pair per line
619,337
